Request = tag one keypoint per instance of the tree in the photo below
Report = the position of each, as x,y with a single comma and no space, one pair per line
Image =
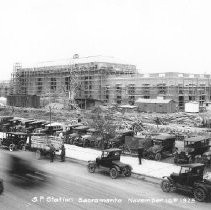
105,126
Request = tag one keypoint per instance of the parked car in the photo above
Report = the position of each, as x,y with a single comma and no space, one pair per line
162,145
81,130
4,120
193,146
205,159
14,140
71,138
51,128
190,179
110,161
120,138
70,127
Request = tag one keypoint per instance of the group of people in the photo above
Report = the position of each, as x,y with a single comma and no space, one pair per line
53,150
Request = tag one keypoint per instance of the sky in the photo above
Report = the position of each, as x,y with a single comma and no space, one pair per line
154,35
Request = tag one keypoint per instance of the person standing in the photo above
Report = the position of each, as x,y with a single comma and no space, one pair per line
62,153
52,153
140,154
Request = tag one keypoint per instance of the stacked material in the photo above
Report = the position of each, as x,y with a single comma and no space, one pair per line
44,142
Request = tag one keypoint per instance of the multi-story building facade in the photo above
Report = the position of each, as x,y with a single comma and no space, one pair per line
106,80
86,77
180,87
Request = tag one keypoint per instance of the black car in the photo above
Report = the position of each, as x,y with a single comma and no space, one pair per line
110,161
205,159
193,146
162,145
189,179
14,140
22,171
121,137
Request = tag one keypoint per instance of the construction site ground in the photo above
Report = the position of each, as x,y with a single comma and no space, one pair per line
180,122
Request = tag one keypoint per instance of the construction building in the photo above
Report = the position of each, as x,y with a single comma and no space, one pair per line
80,79
105,80
180,87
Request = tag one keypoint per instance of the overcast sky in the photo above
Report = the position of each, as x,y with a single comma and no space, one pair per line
155,35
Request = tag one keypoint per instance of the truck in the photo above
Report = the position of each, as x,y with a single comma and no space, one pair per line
41,143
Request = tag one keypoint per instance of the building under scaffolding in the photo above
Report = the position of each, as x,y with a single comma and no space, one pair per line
180,87
97,79
81,79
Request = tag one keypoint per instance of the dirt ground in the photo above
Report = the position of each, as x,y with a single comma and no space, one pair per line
179,122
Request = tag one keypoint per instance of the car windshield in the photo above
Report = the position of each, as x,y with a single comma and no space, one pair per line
185,170
157,142
116,154
105,154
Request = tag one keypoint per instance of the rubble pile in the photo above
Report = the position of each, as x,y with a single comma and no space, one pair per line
192,120
183,123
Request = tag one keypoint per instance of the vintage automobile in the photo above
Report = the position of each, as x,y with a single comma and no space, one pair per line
189,179
110,161
51,128
41,143
1,186
82,141
205,159
71,138
14,140
87,140
81,130
162,145
70,127
120,138
4,120
21,170
31,126
193,146
37,124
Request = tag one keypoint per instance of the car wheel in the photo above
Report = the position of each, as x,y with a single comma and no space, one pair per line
158,156
38,155
200,194
11,147
127,172
166,185
114,173
91,168
1,187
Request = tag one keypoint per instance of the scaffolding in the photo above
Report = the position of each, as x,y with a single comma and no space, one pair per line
83,82
76,82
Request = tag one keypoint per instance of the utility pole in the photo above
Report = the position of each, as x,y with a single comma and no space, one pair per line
50,114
